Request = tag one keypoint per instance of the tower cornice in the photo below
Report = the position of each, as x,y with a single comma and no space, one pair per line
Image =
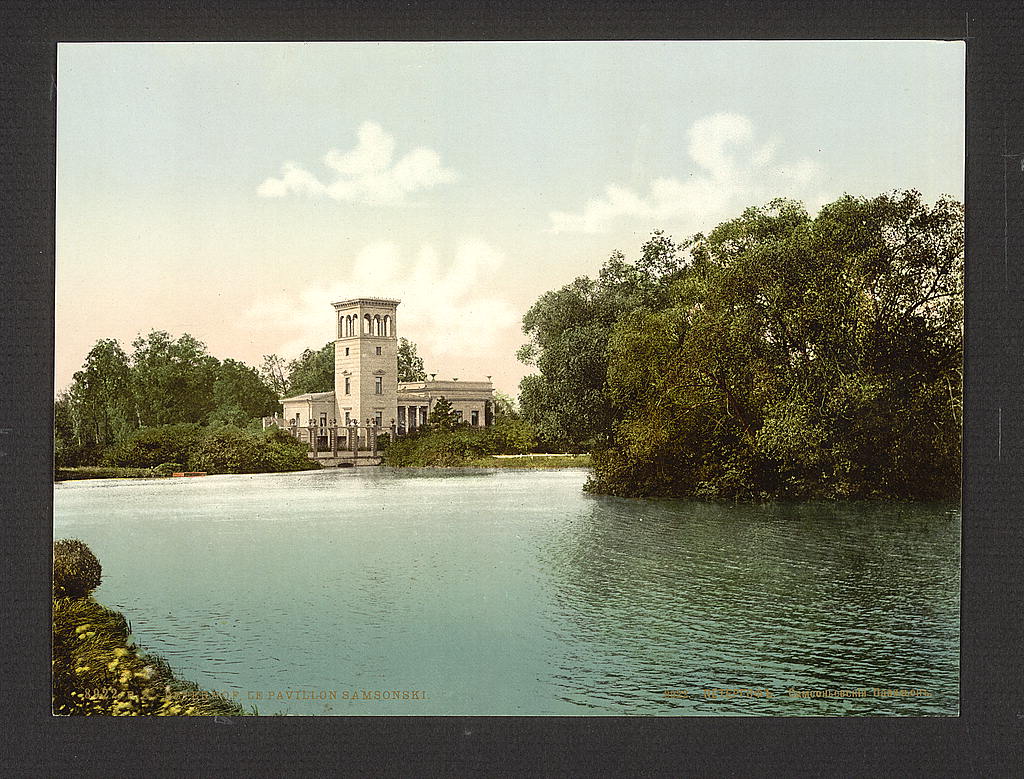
366,302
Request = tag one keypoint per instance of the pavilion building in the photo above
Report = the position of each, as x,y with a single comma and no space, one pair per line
367,391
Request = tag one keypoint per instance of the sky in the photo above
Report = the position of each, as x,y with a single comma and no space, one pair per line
235,191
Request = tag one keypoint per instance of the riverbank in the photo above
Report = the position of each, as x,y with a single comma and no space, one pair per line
96,668
105,472
509,461
529,461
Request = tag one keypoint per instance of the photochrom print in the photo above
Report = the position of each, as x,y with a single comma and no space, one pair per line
526,378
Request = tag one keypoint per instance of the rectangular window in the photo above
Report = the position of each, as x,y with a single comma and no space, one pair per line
347,420
346,351
378,385
475,418
378,418
348,386
378,350
323,420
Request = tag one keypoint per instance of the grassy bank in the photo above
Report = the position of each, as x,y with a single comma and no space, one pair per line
531,461
97,670
105,472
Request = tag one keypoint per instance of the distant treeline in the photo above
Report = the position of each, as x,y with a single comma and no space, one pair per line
778,356
170,402
119,403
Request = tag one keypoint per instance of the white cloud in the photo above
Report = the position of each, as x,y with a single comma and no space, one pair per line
730,172
367,173
449,305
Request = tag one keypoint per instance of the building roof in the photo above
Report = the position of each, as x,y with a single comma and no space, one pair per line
367,301
311,396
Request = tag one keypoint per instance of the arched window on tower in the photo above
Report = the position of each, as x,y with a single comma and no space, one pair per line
348,325
377,330
367,324
387,325
341,326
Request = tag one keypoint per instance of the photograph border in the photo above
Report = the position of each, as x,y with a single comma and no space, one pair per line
985,739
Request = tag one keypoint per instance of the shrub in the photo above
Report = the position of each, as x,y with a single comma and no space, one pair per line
76,571
440,448
284,452
166,469
514,436
227,449
150,446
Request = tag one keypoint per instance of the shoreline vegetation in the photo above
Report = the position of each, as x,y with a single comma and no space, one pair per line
782,356
97,669
531,461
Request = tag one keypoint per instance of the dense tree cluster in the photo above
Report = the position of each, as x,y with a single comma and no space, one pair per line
164,381
787,356
152,406
569,328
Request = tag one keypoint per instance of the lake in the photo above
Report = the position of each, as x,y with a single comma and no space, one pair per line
427,592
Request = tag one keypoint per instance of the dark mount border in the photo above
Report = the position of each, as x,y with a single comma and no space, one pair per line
984,741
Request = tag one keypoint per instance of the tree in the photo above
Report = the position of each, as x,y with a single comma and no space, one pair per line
569,329
172,380
98,409
799,357
410,366
312,371
274,373
443,416
241,395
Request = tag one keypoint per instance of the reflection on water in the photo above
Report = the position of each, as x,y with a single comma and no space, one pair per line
498,592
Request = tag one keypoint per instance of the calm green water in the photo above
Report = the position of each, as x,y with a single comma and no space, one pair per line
503,592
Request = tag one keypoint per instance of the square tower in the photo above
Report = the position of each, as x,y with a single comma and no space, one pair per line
366,360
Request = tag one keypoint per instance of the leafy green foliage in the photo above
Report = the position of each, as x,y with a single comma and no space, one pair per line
443,416
76,571
143,409
152,446
229,449
798,357
166,469
437,447
241,395
569,330
312,371
98,408
172,380
410,365
274,373
513,436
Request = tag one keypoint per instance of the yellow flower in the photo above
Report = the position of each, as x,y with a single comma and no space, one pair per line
82,628
120,652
